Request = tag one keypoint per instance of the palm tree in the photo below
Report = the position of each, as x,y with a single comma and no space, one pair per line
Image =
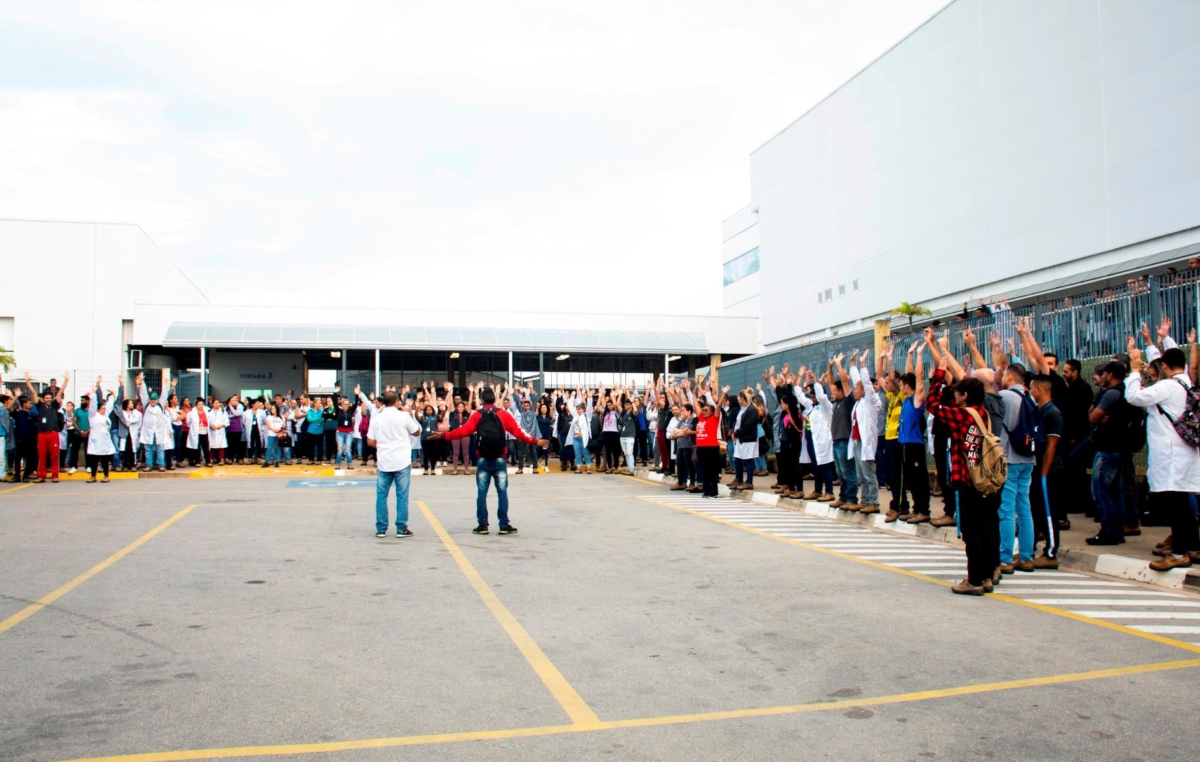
911,311
6,360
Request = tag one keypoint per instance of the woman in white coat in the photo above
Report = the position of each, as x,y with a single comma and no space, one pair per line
865,416
819,440
197,438
100,448
1173,465
218,425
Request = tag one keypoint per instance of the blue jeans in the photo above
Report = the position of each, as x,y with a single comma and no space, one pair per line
485,471
1015,513
343,448
154,455
760,463
1108,493
581,452
273,454
844,466
383,484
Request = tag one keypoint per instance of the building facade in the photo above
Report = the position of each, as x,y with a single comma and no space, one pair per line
1001,145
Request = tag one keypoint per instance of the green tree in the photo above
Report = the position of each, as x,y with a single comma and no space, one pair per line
6,360
911,311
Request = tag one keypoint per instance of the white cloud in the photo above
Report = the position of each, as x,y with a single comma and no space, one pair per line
551,155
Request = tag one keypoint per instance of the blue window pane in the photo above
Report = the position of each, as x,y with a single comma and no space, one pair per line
746,264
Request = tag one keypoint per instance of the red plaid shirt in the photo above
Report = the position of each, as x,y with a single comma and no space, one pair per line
965,437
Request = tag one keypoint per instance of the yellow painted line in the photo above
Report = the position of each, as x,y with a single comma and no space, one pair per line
574,705
642,722
46,600
14,489
896,570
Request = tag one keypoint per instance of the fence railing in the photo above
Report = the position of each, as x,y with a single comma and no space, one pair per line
1089,326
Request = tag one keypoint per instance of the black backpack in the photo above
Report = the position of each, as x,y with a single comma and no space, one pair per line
491,444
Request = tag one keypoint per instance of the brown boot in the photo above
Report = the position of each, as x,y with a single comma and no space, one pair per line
868,509
837,504
826,498
919,518
813,496
891,516
942,521
1043,562
964,587
1168,562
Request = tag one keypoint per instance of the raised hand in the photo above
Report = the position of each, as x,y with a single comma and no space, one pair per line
968,337
1012,349
927,333
357,390
1191,336
1164,328
1144,332
913,347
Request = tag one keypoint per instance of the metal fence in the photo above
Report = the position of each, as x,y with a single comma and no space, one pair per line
1089,326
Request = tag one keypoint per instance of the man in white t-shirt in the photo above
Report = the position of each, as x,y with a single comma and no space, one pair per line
389,434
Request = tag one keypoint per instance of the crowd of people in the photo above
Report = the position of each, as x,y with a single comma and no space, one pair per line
1014,437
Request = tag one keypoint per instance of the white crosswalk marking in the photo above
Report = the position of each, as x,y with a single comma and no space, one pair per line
1078,593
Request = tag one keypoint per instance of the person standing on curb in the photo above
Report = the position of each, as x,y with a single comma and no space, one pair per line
492,424
48,417
389,434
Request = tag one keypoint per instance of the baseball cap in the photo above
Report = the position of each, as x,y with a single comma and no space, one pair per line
1114,367
153,395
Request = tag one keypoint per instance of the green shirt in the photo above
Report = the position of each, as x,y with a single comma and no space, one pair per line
81,420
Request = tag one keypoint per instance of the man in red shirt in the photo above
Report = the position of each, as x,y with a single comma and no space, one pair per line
491,423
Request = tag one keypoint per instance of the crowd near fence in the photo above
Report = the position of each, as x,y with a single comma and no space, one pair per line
1089,326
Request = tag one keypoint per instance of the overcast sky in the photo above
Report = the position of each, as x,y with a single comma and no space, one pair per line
403,154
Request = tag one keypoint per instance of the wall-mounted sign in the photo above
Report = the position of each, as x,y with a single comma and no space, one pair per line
246,375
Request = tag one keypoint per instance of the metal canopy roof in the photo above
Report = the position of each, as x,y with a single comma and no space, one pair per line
281,336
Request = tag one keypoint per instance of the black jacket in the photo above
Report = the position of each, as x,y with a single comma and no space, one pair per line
748,431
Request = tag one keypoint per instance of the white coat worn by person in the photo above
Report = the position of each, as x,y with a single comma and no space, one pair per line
1173,465
198,432
218,423
156,435
100,449
865,424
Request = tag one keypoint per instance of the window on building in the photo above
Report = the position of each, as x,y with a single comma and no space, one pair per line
740,267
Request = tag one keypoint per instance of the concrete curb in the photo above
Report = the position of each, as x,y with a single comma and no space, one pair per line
1108,564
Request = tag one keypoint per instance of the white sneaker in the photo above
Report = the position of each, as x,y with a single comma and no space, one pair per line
71,471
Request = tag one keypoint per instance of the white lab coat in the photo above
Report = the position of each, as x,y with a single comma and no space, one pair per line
218,420
194,430
1172,465
866,413
100,431
819,416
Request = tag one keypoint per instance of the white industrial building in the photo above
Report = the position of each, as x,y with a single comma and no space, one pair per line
1001,145
116,303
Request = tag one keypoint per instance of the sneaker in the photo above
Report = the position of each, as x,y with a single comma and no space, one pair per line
381,534
942,521
481,529
1166,563
964,587
919,518
1045,562
71,471
402,533
1024,566
1103,539
508,529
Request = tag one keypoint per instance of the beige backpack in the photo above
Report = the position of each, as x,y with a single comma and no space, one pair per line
989,474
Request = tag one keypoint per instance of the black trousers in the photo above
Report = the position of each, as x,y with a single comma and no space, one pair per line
237,448
612,449
979,519
685,469
330,440
709,459
27,453
894,454
101,461
914,478
1045,502
788,463
1184,534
